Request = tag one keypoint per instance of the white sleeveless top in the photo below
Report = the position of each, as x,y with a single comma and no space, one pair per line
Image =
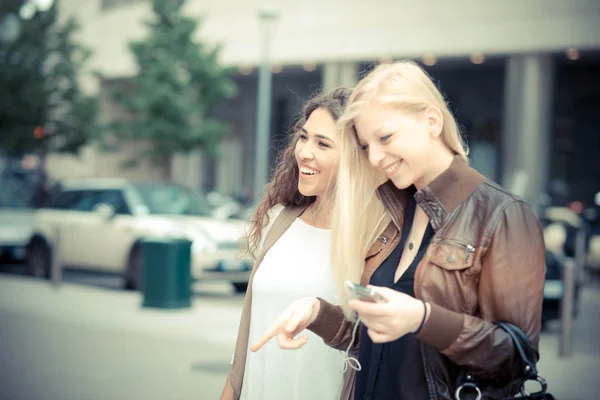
296,266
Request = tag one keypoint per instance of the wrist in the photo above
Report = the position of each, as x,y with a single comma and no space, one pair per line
421,317
315,308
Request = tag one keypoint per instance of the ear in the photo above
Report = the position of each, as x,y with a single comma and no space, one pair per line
435,121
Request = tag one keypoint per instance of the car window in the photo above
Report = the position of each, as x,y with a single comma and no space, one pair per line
67,200
116,199
112,197
172,200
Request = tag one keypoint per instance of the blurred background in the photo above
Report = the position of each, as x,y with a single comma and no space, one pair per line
124,120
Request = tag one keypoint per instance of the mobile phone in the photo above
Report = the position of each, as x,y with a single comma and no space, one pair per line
363,293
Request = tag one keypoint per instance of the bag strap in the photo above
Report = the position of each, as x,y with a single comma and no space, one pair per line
529,372
524,348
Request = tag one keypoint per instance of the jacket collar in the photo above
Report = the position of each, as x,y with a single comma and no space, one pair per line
439,199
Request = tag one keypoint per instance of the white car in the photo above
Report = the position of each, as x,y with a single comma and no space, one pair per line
99,225
19,182
15,231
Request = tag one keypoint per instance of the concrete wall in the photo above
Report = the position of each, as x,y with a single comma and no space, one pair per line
338,30
336,33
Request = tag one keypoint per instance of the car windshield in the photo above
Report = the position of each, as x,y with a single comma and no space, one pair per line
172,200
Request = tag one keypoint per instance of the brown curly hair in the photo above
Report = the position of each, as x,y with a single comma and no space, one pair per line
283,187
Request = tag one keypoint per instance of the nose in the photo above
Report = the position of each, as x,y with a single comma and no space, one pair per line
376,156
305,152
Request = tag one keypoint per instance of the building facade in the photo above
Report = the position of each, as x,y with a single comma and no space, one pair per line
519,75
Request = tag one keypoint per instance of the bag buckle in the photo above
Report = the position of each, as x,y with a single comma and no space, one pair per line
471,385
538,394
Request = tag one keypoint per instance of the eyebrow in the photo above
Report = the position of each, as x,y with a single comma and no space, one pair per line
385,128
319,135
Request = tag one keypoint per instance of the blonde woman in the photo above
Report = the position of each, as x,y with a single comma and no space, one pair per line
449,251
290,237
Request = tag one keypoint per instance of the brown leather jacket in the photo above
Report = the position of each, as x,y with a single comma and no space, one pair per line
485,263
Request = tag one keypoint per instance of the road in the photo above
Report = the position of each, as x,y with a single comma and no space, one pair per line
48,361
92,341
46,357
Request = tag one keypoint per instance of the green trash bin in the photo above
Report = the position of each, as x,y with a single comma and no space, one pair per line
166,273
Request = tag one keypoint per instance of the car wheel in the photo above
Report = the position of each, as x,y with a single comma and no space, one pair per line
133,273
240,287
38,260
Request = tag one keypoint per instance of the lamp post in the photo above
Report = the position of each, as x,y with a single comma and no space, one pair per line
267,17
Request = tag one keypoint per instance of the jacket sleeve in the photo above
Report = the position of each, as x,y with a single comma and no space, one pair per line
510,290
333,327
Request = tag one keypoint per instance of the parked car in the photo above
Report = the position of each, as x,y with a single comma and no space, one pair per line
16,226
99,225
21,179
566,223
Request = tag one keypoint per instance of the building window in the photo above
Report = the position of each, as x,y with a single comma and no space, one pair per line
109,4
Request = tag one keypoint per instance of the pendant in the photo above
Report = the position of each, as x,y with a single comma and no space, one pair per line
411,245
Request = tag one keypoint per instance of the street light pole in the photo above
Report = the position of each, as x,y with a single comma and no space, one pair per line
267,17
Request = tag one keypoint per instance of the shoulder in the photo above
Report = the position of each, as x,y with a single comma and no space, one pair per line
496,199
510,208
494,207
274,212
273,215
499,196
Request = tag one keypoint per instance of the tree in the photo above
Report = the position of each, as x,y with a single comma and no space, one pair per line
178,83
42,105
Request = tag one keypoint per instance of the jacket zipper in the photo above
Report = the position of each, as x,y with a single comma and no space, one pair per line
384,240
468,248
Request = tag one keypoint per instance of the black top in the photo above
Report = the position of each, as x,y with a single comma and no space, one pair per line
394,370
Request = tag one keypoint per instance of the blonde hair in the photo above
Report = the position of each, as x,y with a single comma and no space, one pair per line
359,216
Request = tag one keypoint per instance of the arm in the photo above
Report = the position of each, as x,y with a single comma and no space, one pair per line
331,325
510,290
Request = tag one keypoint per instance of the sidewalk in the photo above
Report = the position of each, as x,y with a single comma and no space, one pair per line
578,377
119,311
82,342
214,321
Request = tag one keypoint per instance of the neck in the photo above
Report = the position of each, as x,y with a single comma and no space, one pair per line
320,212
437,165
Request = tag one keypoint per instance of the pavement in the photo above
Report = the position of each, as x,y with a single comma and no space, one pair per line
576,377
85,343
81,342
120,311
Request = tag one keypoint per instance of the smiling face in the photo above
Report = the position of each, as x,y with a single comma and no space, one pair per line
403,145
317,153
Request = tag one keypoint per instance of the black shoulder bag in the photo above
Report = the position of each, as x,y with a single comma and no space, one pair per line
530,372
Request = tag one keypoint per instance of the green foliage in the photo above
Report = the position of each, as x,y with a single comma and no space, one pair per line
39,87
178,83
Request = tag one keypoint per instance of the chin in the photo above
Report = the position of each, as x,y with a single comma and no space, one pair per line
304,191
401,183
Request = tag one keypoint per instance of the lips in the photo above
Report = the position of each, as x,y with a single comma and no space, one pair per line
390,169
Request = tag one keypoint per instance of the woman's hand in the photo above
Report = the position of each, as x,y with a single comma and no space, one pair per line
291,322
386,322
